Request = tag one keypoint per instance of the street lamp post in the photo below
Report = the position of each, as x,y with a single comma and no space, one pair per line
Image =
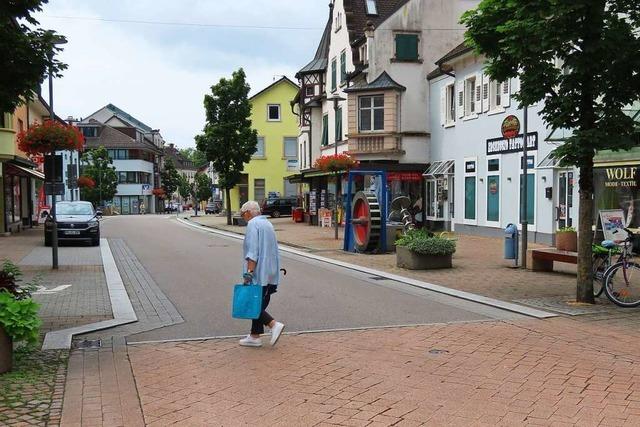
524,202
336,99
54,224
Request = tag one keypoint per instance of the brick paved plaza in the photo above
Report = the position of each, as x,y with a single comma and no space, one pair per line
553,372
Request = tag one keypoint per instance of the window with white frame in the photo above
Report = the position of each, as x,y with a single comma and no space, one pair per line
450,105
363,54
259,148
273,112
372,7
309,91
495,96
291,147
470,96
371,113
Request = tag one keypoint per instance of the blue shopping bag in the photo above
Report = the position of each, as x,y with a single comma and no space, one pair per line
247,301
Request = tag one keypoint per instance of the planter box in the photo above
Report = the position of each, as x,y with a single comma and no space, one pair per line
6,352
567,241
415,261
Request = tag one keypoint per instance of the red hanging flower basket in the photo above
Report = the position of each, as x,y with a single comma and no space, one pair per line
335,163
86,182
159,192
50,136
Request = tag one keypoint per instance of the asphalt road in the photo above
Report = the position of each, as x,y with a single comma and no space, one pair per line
197,270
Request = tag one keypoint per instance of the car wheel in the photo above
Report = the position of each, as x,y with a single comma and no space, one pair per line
95,241
275,214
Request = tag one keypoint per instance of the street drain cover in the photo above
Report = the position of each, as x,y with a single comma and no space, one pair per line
89,344
377,278
438,351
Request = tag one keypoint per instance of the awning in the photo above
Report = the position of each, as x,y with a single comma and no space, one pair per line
549,162
440,168
29,172
605,158
294,179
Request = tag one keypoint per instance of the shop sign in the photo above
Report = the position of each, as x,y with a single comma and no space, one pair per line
510,127
621,177
512,145
470,167
404,176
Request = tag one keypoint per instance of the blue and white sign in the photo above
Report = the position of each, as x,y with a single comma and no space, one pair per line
146,189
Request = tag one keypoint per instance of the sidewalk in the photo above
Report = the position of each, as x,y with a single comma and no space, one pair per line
478,264
75,294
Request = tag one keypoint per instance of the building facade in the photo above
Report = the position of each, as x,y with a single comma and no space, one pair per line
475,181
277,148
365,92
21,176
136,151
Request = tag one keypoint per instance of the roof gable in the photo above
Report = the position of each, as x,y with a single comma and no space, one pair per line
283,79
357,17
382,82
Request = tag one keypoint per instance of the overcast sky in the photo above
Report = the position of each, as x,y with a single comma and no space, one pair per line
159,73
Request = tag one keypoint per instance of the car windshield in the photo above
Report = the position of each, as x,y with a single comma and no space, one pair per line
74,209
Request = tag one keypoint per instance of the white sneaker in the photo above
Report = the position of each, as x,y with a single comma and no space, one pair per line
276,332
250,341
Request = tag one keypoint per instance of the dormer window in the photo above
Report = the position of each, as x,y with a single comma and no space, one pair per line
372,7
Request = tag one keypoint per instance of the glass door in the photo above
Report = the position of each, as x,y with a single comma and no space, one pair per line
565,199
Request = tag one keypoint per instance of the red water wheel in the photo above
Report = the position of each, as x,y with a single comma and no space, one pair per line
366,220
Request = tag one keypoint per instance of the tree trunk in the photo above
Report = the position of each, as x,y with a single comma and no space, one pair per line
227,193
584,291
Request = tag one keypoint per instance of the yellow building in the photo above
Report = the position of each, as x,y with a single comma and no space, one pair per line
277,150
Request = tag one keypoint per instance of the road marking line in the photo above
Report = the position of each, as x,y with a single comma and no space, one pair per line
42,290
492,302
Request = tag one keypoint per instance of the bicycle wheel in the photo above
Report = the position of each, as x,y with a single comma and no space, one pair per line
600,264
622,284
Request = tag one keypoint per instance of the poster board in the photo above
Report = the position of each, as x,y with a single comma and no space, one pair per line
612,222
313,209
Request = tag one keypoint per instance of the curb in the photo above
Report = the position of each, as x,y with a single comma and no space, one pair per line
492,302
121,307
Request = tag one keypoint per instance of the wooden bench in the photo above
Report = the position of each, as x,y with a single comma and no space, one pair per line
543,259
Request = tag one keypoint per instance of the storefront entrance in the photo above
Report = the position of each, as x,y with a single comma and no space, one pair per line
564,209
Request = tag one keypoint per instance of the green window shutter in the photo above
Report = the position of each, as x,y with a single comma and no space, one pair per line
325,130
343,67
339,124
407,47
333,75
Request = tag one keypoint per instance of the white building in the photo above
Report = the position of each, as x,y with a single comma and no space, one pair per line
376,55
474,183
136,151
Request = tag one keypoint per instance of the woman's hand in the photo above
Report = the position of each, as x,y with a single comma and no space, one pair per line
248,278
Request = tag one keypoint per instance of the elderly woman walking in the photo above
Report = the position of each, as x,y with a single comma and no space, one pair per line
261,266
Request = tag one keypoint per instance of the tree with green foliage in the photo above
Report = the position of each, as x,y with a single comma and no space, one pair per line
196,156
581,59
202,189
170,178
185,188
228,140
97,165
28,52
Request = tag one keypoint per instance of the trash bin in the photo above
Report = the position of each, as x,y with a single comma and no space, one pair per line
511,242
298,214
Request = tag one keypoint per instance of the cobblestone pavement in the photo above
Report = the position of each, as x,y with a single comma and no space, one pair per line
85,301
478,266
31,395
153,308
554,372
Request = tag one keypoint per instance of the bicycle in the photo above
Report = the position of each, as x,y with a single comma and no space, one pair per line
622,279
601,260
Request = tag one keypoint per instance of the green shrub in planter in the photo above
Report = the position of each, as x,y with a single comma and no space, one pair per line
19,321
423,242
19,318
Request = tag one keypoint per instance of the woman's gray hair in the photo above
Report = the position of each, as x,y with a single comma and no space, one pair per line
251,206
